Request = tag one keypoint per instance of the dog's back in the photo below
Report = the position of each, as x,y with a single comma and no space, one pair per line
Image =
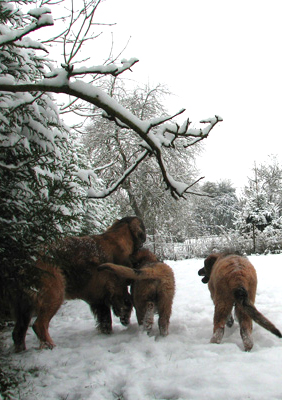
229,273
232,280
155,295
152,286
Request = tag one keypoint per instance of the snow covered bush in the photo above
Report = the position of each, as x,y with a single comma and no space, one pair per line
41,194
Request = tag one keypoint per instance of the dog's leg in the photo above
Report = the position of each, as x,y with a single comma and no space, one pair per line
41,324
140,312
163,325
49,300
23,318
246,327
149,317
40,327
104,317
221,314
164,310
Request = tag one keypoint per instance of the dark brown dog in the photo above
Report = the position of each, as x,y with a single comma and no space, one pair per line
232,280
71,267
153,288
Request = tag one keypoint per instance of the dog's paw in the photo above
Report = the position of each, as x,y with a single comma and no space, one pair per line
217,336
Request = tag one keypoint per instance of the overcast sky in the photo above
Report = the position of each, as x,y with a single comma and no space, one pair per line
217,57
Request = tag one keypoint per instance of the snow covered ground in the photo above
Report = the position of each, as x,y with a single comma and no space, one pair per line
129,365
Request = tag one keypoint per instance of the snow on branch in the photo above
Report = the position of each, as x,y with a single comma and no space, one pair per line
42,18
111,69
155,133
152,141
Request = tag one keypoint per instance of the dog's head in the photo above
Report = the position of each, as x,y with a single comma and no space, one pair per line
138,232
208,264
136,228
122,307
143,257
117,295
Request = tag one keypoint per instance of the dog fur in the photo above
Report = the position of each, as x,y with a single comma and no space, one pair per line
232,280
70,268
42,299
152,288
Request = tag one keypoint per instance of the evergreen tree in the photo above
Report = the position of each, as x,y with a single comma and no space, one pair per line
259,214
39,193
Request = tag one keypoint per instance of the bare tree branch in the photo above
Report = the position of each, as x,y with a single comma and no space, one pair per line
155,133
95,96
100,69
93,194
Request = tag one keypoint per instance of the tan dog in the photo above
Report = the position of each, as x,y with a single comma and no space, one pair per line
153,288
71,273
232,280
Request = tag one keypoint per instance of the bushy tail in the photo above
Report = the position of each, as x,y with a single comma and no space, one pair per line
129,273
242,300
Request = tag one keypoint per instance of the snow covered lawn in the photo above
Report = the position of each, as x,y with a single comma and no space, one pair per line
129,365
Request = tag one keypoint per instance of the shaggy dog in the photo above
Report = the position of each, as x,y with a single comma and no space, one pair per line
232,280
152,288
70,271
43,298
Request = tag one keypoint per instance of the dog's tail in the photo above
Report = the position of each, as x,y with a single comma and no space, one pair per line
242,300
130,273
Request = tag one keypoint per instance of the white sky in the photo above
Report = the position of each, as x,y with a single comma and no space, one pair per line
217,57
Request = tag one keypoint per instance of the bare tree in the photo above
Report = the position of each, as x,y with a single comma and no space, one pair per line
143,191
78,82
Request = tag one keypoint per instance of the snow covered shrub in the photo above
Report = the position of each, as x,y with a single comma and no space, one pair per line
39,196
42,190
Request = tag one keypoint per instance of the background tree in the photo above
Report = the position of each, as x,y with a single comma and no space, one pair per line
269,174
142,193
260,205
214,214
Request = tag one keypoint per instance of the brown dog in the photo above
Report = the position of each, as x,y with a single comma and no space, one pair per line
232,280
43,298
153,288
71,273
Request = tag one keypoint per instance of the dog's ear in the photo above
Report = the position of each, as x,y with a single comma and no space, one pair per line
205,279
138,231
142,257
206,270
202,272
209,263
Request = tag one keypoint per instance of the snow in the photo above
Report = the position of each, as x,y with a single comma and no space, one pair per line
180,187
129,365
9,35
105,69
86,174
29,43
38,12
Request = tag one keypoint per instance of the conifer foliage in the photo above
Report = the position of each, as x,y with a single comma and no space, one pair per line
39,198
